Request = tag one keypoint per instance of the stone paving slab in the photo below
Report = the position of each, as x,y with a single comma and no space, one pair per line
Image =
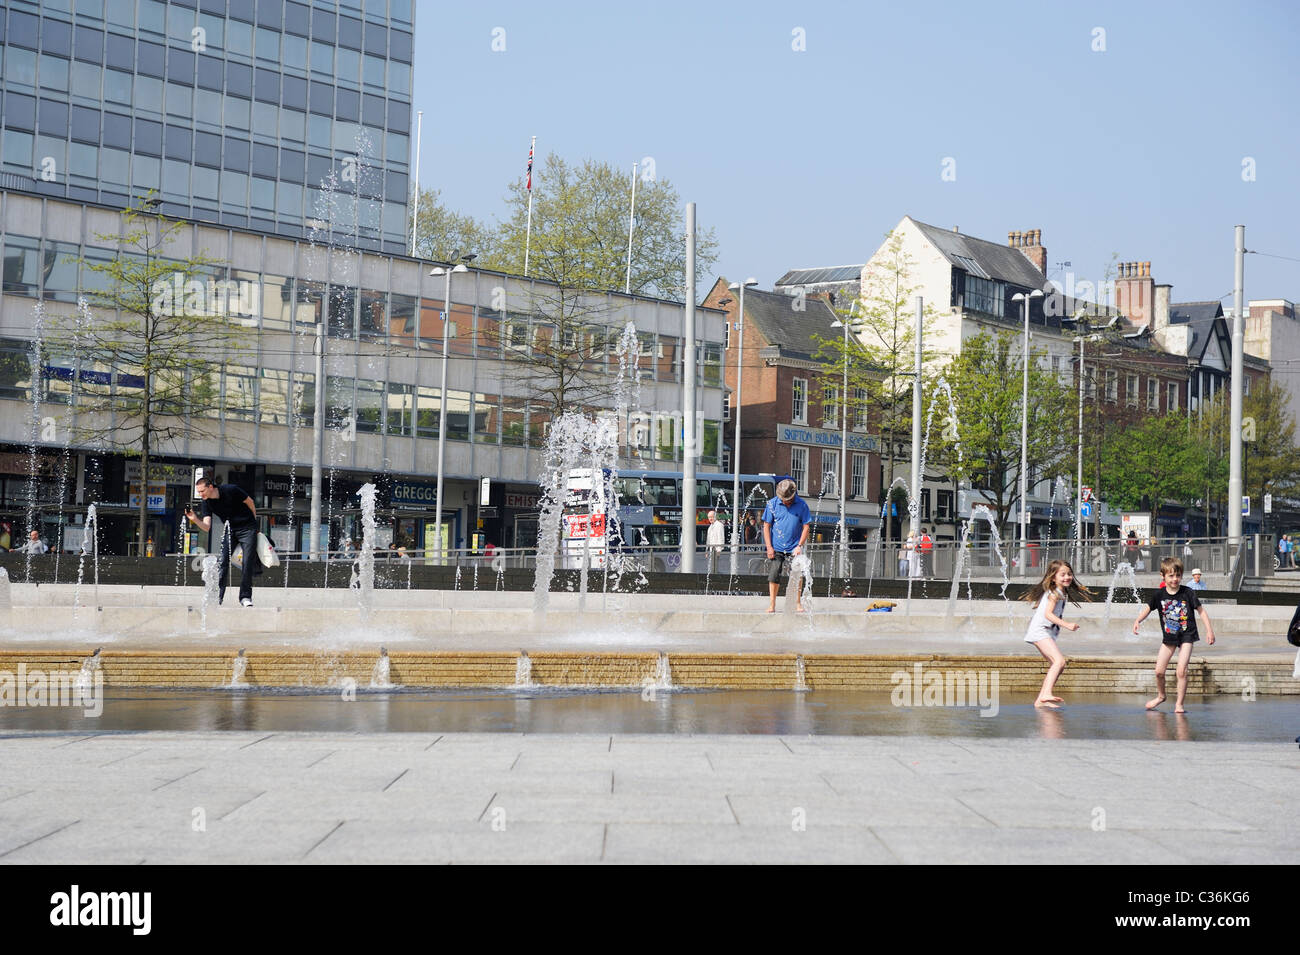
424,797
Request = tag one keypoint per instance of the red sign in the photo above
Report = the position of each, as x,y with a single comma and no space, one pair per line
576,524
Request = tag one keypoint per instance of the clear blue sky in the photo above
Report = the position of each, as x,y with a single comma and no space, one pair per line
808,158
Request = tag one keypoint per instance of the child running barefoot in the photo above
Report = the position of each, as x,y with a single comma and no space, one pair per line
1057,585
1176,605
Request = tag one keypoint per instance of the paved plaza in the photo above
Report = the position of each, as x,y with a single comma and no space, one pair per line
159,797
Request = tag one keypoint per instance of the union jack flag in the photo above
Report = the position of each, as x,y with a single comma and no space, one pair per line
530,168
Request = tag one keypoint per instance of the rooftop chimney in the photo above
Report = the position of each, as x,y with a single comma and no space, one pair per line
1135,293
1030,243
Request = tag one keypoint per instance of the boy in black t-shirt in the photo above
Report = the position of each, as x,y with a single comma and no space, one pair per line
1176,605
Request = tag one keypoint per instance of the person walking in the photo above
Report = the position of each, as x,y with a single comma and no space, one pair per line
717,540
236,509
1177,606
786,524
926,544
34,544
1050,595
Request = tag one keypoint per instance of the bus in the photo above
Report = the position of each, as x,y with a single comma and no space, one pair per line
649,519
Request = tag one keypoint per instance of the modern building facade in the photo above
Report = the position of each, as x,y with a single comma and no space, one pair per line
381,320
277,116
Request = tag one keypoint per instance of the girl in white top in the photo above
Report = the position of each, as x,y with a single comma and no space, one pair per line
1051,592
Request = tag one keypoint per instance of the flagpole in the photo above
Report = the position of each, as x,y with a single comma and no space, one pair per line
415,213
528,234
631,219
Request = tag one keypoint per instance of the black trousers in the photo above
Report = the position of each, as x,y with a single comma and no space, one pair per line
244,535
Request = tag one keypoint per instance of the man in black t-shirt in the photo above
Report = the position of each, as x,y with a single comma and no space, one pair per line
233,506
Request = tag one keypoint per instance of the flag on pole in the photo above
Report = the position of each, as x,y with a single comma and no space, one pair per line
530,168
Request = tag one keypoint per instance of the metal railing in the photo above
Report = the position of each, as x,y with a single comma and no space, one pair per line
879,560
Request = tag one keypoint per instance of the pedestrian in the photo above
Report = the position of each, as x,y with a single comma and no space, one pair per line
1197,583
905,555
717,540
786,524
34,544
1050,594
927,553
1281,551
1177,606
236,509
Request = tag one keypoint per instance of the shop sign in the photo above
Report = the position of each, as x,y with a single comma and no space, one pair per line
413,494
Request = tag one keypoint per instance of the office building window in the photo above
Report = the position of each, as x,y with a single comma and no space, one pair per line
1153,394
799,401
830,407
1131,390
1172,399
799,468
830,472
858,484
1112,386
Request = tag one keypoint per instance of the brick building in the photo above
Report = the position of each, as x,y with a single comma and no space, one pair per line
790,422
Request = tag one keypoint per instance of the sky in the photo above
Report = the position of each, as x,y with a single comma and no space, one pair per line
805,132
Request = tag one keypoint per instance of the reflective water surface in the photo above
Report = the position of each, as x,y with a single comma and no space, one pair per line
821,712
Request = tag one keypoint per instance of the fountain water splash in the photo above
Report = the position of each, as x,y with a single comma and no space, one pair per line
1122,569
524,671
38,383
364,567
211,586
978,512
574,441
89,544
86,677
237,670
6,601
800,675
381,675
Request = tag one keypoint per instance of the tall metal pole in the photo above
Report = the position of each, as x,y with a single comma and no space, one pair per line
688,404
735,451
631,222
317,440
1235,482
1024,451
442,419
528,232
1078,508
415,213
915,508
844,445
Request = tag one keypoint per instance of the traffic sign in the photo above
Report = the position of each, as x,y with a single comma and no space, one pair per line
1245,505
1087,493
1085,509
1268,503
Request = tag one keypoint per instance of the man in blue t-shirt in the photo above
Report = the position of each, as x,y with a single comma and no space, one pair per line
786,523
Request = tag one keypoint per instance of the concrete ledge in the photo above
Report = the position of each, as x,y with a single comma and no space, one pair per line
207,669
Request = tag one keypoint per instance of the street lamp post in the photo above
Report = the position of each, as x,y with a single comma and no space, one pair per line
442,395
844,430
1024,436
735,412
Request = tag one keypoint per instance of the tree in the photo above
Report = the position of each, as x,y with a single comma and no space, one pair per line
987,382
1159,459
1271,461
440,233
158,325
881,349
580,234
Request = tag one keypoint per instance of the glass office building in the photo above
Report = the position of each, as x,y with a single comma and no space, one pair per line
272,115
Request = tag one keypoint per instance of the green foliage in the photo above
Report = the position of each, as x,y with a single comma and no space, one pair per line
1158,459
1272,461
987,383
162,320
442,234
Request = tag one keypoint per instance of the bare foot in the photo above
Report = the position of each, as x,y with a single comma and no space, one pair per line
800,610
1054,699
771,610
1046,705
1179,709
1152,704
